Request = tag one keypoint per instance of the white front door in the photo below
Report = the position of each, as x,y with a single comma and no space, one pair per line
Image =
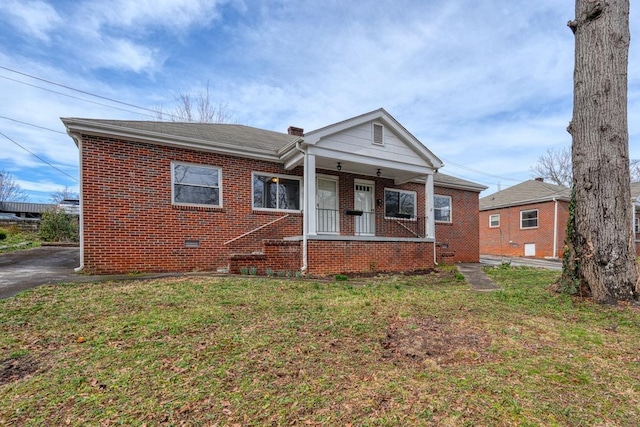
327,206
364,201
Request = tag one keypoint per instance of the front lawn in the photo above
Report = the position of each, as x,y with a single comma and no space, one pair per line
396,350
12,239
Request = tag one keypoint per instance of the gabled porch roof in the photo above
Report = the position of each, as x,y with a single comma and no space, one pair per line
404,160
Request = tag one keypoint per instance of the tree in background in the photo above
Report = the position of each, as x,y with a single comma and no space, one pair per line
196,108
10,190
61,194
601,245
555,166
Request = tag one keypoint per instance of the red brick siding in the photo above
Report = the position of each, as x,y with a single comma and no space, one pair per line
131,225
509,238
458,241
330,257
279,256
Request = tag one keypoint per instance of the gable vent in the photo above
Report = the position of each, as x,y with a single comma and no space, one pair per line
377,134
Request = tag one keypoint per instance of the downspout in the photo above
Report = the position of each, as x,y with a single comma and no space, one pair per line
555,228
305,226
78,139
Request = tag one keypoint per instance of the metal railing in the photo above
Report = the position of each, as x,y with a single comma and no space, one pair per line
358,223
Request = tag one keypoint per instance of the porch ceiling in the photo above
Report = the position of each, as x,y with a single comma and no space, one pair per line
387,170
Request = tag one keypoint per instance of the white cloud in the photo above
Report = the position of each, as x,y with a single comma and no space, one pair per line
33,18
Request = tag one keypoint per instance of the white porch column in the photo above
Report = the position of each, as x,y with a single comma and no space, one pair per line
310,194
429,221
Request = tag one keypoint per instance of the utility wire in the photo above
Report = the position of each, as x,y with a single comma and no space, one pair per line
77,90
31,124
78,98
39,158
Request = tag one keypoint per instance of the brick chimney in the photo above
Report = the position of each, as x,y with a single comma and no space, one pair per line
540,179
295,131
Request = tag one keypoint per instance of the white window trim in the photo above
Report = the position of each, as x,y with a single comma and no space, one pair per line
276,175
494,226
373,125
415,204
450,209
200,165
537,219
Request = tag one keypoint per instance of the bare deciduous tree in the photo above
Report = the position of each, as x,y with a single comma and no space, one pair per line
196,108
10,190
601,245
555,166
61,194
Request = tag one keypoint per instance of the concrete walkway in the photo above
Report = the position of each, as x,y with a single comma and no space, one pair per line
476,278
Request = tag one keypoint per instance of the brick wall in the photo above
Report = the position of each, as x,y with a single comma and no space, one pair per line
509,239
327,257
131,225
458,241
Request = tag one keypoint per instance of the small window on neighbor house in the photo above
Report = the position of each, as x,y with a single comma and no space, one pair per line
529,219
442,208
494,220
196,185
378,134
276,192
636,225
399,203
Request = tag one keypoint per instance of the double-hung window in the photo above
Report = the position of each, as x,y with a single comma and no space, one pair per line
529,219
276,192
442,208
494,220
196,185
399,203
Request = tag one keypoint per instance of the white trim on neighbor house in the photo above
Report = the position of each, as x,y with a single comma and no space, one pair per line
494,223
522,227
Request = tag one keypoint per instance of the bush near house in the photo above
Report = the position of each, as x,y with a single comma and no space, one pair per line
58,226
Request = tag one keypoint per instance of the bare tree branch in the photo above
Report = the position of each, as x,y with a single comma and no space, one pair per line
10,190
196,108
61,194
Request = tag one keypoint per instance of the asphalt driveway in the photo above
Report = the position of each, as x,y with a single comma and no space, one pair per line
29,268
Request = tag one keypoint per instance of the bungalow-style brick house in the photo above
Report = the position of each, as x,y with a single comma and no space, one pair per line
528,219
360,195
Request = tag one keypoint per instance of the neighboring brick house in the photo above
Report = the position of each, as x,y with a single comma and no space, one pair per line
527,219
361,195
635,199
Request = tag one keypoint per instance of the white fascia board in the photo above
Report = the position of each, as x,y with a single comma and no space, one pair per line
86,127
294,161
368,160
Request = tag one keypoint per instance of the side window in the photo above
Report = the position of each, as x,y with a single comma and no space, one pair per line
442,208
276,192
399,203
196,185
529,219
494,220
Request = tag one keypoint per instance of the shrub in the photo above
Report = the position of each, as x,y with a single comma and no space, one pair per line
58,227
3,234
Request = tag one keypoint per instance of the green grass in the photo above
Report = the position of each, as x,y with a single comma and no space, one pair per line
384,351
17,240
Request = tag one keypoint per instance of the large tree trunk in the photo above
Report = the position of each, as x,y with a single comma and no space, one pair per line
601,244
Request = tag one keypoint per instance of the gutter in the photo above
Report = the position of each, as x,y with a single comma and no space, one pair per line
555,228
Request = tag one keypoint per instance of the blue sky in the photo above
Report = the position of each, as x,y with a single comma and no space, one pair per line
484,84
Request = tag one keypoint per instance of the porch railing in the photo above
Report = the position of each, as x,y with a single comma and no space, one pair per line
357,223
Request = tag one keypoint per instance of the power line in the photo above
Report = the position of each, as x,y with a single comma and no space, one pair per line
39,158
77,90
31,124
78,98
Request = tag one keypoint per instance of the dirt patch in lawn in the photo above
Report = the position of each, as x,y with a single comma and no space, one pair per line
435,341
16,368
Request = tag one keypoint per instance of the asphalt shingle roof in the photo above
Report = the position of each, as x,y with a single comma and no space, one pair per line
531,191
230,134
